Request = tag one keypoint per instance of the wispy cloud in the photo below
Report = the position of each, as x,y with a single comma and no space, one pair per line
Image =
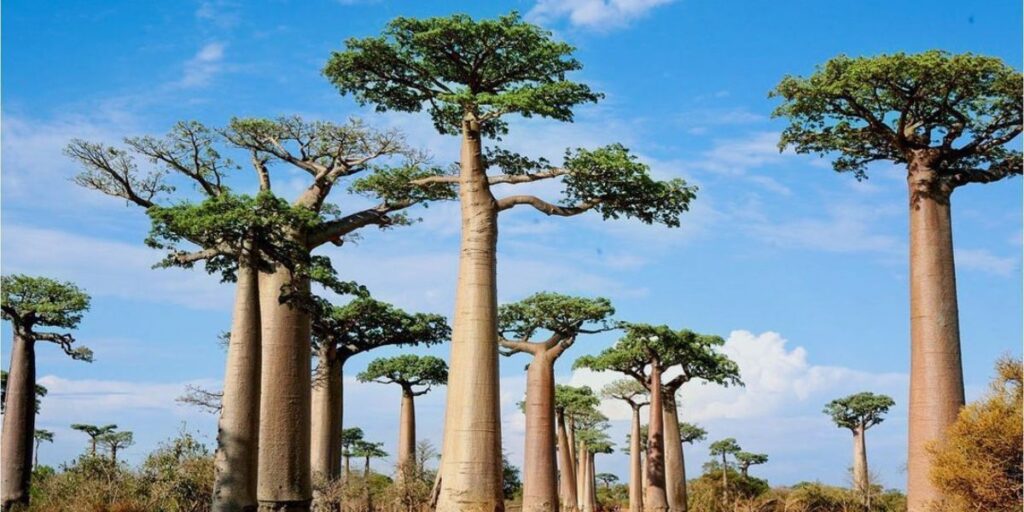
593,14
984,261
842,228
201,68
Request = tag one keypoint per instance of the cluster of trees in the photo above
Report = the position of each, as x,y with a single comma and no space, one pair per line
948,118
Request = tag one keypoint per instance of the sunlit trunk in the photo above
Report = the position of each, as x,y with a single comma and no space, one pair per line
234,487
284,481
540,482
592,481
860,462
406,436
19,423
585,478
675,471
567,469
655,497
636,490
936,375
326,414
471,468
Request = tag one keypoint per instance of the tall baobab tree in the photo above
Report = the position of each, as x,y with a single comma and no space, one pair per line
264,244
746,459
40,436
571,403
368,450
628,450
635,395
115,441
858,413
341,332
29,303
471,75
94,432
723,448
416,375
562,318
950,120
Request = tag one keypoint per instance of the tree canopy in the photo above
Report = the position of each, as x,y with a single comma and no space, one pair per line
368,449
691,433
575,400
746,459
565,317
727,446
859,410
365,324
28,301
407,371
349,438
43,435
958,111
627,390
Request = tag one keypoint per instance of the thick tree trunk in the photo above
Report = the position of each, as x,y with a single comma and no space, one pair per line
540,481
655,497
19,424
591,481
471,468
636,490
581,475
860,462
567,469
936,375
234,487
284,482
643,473
326,414
675,471
406,436
584,477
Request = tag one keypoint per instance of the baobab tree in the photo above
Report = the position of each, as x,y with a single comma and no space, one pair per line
470,75
607,479
40,436
416,375
115,441
562,318
94,432
691,433
368,450
264,244
635,395
746,459
724,448
340,332
349,438
592,440
858,413
571,403
950,120
628,450
41,392
29,303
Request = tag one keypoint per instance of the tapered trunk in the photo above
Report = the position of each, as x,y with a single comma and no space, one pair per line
570,432
406,436
591,482
860,461
540,481
234,487
936,375
567,469
584,477
636,490
471,466
326,414
655,496
581,475
675,471
283,482
19,423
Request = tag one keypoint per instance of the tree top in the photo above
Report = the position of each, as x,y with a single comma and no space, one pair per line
407,370
366,323
691,433
724,446
866,408
28,302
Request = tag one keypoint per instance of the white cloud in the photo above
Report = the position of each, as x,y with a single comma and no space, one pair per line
593,14
984,261
202,67
843,228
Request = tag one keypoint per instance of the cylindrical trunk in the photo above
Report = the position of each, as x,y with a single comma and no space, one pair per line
234,487
567,469
283,481
35,456
570,432
471,464
581,475
540,481
675,472
860,461
584,477
725,480
636,490
936,375
113,454
643,473
406,436
19,423
326,414
348,467
591,481
655,496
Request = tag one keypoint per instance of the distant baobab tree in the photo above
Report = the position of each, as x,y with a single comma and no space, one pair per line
635,395
746,459
858,413
40,436
723,448
115,441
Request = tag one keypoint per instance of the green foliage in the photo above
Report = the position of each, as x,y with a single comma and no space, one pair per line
511,482
179,474
454,65
365,324
859,410
408,371
706,491
94,431
691,433
627,390
579,405
607,478
43,435
368,450
394,185
746,459
563,315
28,301
727,446
41,391
349,438
963,108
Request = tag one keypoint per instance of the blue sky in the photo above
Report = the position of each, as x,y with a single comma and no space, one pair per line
803,270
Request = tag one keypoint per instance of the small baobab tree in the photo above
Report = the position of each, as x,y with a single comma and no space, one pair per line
350,437
691,433
471,75
635,395
950,119
94,432
574,406
593,440
746,459
724,448
29,303
562,318
40,436
607,479
416,375
115,441
858,413
340,332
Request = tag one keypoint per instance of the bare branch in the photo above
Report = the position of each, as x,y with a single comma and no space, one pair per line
526,178
544,206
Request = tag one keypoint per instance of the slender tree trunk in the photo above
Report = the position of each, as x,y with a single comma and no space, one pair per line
656,499
570,431
591,481
540,481
284,482
725,481
581,475
471,465
348,468
636,490
113,454
860,462
643,473
19,423
567,469
234,487
936,375
743,471
35,456
675,472
406,436
585,479
326,414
